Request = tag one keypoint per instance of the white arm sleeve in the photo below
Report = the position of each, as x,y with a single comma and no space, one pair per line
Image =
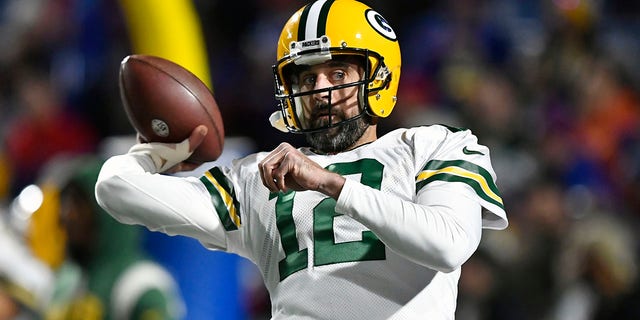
172,205
441,231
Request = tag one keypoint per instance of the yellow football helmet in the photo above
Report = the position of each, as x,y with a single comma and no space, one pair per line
324,30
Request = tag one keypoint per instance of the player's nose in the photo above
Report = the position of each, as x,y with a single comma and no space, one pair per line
322,82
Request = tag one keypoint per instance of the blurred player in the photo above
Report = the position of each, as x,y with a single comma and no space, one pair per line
108,274
352,227
25,281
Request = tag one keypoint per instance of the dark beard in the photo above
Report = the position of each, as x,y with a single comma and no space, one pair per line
339,138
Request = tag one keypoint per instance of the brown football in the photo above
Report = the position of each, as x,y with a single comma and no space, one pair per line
165,102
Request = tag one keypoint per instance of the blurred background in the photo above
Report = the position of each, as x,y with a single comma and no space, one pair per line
551,86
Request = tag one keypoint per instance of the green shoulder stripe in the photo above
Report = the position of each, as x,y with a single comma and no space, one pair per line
223,198
473,175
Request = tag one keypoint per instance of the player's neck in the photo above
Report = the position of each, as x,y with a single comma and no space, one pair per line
369,135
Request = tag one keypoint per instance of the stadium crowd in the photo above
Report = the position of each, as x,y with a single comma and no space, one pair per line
552,87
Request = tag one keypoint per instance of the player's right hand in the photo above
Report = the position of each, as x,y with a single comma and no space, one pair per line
170,157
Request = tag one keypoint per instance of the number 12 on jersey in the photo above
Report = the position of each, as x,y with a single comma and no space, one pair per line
325,249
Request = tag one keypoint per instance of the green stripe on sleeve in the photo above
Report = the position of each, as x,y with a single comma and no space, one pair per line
218,203
222,180
438,172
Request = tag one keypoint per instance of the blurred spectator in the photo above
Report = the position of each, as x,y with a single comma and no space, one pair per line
597,271
479,289
608,128
43,128
5,178
25,282
496,287
553,86
107,274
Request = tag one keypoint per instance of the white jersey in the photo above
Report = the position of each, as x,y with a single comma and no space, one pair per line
392,244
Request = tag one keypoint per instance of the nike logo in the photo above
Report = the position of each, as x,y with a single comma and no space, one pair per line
465,150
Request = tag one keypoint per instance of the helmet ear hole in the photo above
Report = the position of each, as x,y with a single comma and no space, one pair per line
388,81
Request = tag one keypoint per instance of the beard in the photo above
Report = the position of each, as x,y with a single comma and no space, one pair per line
339,138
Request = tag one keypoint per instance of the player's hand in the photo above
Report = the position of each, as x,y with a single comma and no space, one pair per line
170,157
195,139
286,168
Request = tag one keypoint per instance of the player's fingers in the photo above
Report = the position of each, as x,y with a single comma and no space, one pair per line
281,171
197,136
265,176
268,165
274,175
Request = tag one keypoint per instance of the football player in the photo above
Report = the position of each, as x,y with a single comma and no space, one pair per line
355,226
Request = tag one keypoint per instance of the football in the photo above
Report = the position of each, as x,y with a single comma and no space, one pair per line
164,102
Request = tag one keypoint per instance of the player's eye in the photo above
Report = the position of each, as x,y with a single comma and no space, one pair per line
338,76
308,80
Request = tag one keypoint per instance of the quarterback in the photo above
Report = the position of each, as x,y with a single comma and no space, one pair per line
354,226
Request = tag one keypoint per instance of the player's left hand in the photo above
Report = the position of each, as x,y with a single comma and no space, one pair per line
286,168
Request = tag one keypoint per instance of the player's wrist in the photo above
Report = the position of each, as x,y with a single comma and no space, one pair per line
332,185
163,155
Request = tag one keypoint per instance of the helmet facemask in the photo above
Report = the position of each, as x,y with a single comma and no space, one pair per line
326,30
291,99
